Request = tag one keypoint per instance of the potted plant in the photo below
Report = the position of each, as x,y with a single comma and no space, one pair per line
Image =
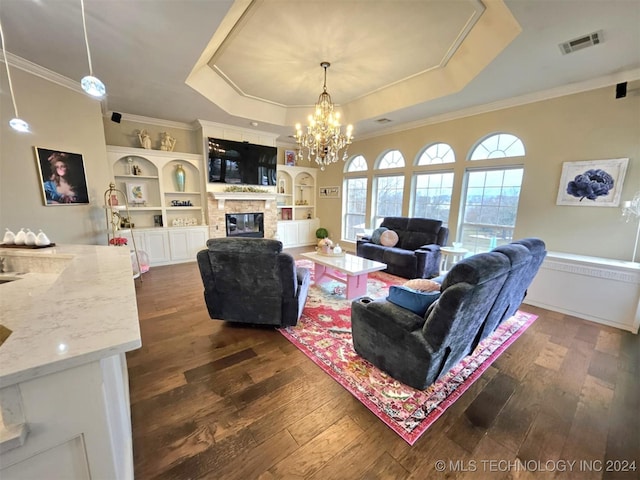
322,233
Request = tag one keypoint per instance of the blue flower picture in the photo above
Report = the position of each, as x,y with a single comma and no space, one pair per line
592,183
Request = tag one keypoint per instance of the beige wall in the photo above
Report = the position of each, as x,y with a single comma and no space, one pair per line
60,119
587,126
125,134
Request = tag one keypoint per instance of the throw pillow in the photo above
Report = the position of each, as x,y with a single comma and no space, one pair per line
389,238
413,300
375,236
423,285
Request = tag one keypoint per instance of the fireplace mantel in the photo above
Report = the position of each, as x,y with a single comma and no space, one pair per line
221,197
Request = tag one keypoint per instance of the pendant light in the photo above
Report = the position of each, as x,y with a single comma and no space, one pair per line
16,123
90,84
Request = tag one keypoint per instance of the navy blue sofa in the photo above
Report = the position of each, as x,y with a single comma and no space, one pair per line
417,253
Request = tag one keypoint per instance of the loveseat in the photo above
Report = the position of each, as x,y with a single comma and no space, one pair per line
415,253
251,280
476,296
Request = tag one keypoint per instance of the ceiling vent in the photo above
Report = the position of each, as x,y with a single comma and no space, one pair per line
581,42
383,120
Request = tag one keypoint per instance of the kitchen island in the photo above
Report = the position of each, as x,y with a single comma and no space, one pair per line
64,394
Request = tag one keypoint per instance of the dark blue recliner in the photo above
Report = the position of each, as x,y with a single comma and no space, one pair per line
251,280
477,294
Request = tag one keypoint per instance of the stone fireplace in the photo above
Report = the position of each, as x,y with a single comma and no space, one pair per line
222,203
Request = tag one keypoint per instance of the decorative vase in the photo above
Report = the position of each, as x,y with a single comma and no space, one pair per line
180,177
326,249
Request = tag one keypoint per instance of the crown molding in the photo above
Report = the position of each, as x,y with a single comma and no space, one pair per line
562,91
242,131
42,72
50,76
155,121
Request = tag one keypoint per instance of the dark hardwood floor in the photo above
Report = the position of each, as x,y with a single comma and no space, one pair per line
211,400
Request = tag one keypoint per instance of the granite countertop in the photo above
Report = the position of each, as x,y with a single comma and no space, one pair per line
74,304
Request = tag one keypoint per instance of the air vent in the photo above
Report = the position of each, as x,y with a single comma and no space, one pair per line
383,120
582,42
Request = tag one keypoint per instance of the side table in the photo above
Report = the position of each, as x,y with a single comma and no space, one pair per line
450,256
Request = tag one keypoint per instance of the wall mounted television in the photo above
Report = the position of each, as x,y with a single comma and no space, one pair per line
241,163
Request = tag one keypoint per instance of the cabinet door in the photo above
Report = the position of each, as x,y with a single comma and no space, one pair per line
156,247
303,233
307,232
186,243
288,233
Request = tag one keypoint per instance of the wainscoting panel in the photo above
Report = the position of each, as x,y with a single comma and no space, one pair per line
597,289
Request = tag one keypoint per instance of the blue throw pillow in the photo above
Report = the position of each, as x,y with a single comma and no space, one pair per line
375,236
411,299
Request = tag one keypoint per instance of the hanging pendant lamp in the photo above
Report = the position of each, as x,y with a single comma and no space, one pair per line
90,84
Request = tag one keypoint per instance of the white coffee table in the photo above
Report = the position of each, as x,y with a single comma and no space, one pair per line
355,270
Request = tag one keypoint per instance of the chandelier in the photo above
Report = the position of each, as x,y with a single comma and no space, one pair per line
324,139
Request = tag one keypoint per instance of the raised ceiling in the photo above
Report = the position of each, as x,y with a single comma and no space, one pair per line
237,62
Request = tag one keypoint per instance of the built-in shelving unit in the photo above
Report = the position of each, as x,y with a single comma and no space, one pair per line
170,225
296,203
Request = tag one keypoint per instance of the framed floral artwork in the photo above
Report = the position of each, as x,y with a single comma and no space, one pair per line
136,194
62,177
595,183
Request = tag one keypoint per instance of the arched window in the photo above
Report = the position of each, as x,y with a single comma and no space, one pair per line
436,154
357,164
500,145
492,194
391,159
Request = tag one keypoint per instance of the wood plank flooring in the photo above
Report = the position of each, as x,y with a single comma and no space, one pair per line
211,400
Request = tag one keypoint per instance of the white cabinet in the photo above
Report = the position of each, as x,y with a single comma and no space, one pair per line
156,245
298,233
165,246
185,243
288,233
307,231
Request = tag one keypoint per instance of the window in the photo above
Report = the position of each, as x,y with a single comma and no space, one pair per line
388,197
492,195
500,145
391,159
433,195
490,208
436,154
355,207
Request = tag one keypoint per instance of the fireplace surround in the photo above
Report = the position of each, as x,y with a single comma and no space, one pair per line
221,204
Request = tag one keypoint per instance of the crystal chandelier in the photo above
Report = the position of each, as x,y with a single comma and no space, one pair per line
324,139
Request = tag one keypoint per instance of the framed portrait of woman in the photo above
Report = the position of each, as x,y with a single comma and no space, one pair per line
62,177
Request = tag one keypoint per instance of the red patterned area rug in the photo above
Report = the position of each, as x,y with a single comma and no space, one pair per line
324,335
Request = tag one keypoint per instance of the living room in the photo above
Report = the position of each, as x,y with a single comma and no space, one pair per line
595,392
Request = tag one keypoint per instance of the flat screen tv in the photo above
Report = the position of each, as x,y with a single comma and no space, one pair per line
241,163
